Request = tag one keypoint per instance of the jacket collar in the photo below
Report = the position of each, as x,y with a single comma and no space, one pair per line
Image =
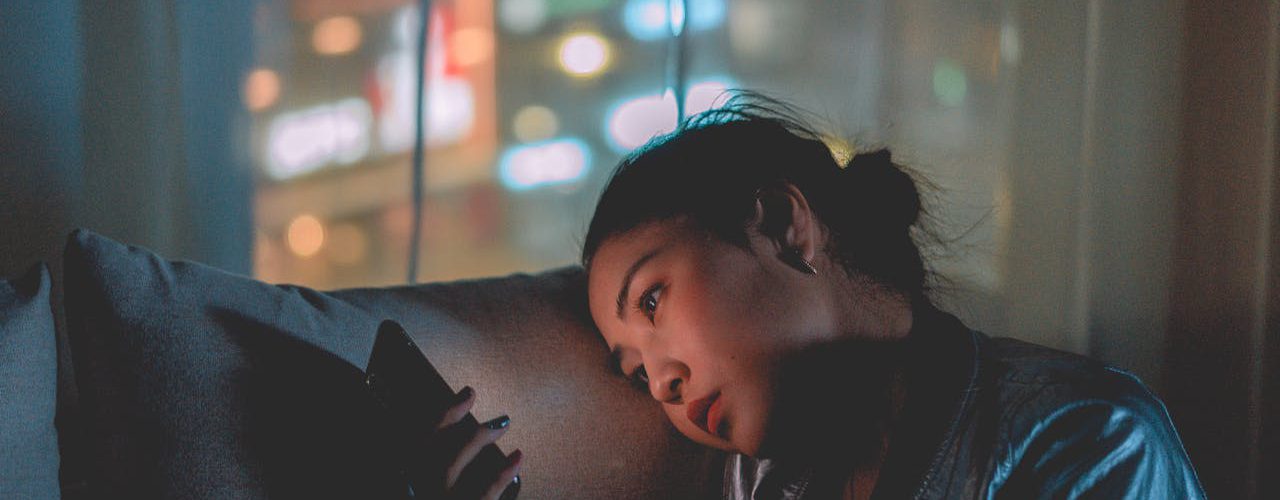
940,374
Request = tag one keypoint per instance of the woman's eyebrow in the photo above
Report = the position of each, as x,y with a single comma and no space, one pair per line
626,279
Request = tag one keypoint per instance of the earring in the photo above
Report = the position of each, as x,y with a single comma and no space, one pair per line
792,257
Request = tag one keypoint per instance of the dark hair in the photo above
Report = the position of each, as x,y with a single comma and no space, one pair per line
712,167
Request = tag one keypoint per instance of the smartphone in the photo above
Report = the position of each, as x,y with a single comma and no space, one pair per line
415,394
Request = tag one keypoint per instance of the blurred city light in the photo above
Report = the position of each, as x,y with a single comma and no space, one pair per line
303,141
522,16
404,27
1010,47
636,120
470,46
584,54
707,14
261,89
707,94
450,99
647,20
677,16
305,235
450,106
949,83
547,163
336,36
535,123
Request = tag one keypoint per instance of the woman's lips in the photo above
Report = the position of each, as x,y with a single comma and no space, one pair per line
705,413
715,416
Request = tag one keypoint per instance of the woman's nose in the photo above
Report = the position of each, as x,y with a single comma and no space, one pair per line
667,385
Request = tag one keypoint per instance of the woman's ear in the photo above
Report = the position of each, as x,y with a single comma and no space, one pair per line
784,217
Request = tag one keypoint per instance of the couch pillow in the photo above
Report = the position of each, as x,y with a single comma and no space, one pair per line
28,383
196,383
201,384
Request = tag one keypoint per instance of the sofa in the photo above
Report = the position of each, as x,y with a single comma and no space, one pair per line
171,379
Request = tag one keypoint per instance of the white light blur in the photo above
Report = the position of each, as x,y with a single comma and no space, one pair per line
706,95
404,27
584,54
522,16
547,163
1010,47
677,16
450,101
633,122
303,141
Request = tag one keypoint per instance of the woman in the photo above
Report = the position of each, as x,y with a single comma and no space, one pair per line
775,303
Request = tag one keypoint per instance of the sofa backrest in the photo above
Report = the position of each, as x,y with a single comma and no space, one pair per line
194,383
527,345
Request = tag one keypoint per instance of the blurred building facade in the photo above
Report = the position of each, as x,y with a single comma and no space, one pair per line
1108,170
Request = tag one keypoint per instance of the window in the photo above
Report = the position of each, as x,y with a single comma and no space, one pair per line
530,104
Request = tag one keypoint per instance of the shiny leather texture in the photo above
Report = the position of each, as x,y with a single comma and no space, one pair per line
997,418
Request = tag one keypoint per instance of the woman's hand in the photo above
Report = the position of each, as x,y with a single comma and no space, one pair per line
450,469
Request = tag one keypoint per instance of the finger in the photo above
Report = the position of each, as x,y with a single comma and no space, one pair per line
510,474
456,412
483,435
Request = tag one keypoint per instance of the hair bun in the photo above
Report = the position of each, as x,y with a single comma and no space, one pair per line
885,189
872,159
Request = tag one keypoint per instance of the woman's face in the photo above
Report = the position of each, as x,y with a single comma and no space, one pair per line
707,323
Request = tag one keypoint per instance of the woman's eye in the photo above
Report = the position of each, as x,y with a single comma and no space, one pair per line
649,301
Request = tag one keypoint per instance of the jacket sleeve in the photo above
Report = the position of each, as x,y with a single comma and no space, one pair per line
1118,444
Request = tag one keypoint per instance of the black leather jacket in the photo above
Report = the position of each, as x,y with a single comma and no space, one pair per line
999,418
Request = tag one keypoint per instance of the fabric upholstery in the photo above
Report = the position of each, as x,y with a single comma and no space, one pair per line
201,384
28,376
195,383
526,344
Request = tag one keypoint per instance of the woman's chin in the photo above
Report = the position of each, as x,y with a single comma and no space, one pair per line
743,441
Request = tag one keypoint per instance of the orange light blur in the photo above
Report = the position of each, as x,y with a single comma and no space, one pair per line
337,36
471,46
261,89
305,236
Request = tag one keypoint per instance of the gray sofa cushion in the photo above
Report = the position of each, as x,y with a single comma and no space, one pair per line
195,383
201,384
28,373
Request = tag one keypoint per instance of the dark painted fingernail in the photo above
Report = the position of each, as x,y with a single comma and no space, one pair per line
498,423
465,393
513,489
